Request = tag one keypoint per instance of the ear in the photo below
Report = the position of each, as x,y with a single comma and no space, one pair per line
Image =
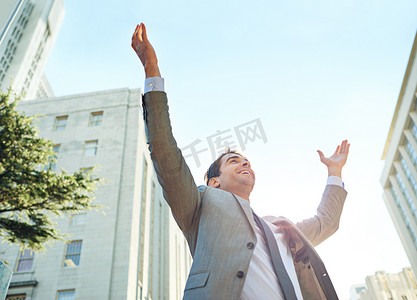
213,182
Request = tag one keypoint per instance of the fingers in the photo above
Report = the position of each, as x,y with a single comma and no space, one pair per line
144,34
337,150
139,35
140,32
344,147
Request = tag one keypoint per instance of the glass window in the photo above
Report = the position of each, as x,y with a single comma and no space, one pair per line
72,254
412,153
66,295
16,297
52,164
90,148
414,130
25,261
401,209
60,123
96,118
78,219
409,175
407,196
88,171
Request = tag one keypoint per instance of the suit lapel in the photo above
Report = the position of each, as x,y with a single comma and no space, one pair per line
245,205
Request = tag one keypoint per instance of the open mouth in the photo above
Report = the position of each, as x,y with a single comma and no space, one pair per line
245,172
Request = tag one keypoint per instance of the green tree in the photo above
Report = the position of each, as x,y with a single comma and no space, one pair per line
30,192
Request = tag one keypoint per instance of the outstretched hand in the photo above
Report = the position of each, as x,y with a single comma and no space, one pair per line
145,51
336,162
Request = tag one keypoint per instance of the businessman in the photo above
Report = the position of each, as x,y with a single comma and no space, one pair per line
236,254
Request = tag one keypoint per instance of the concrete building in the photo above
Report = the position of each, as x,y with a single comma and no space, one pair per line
355,291
383,286
134,250
28,29
399,177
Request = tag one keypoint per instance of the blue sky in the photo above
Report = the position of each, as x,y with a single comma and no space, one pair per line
312,73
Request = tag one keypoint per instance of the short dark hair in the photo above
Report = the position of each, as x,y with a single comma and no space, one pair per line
214,170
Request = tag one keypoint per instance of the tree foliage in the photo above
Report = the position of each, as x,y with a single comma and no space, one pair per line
31,193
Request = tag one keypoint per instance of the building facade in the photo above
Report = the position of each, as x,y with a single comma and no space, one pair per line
383,286
399,176
355,291
132,248
28,29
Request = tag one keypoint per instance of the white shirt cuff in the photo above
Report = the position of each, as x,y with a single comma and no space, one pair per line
154,84
335,180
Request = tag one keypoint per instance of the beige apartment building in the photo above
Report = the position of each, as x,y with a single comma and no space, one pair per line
384,286
28,30
132,249
399,177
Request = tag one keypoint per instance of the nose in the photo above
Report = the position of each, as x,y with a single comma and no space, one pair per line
246,163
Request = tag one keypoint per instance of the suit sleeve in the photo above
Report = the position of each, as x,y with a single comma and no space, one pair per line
180,190
326,221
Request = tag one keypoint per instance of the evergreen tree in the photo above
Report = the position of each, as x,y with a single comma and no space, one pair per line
30,192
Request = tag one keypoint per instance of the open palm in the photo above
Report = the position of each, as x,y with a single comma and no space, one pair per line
338,159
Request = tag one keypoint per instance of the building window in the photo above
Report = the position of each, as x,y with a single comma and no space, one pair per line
413,154
25,261
401,209
410,202
78,219
72,254
88,172
413,128
96,118
60,123
66,295
409,175
16,297
52,163
90,148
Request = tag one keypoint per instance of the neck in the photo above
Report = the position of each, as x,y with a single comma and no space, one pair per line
242,193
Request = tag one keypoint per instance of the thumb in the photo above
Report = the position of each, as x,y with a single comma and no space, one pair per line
321,155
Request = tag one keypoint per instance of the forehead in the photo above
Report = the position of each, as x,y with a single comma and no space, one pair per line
229,156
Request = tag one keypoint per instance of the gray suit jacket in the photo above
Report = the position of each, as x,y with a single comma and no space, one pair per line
219,225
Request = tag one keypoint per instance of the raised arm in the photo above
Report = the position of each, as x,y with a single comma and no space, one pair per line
326,220
176,180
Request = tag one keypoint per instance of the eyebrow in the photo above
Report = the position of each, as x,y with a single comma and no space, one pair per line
236,156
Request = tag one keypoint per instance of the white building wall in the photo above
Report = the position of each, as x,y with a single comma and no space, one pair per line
399,177
44,88
110,255
27,40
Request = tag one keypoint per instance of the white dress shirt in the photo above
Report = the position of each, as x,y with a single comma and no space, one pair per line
261,281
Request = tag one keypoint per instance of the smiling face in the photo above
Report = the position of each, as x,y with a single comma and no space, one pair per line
236,175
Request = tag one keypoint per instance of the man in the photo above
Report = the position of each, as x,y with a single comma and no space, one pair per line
236,255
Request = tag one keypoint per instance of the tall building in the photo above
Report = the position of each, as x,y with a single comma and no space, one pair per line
399,177
383,286
133,249
28,29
